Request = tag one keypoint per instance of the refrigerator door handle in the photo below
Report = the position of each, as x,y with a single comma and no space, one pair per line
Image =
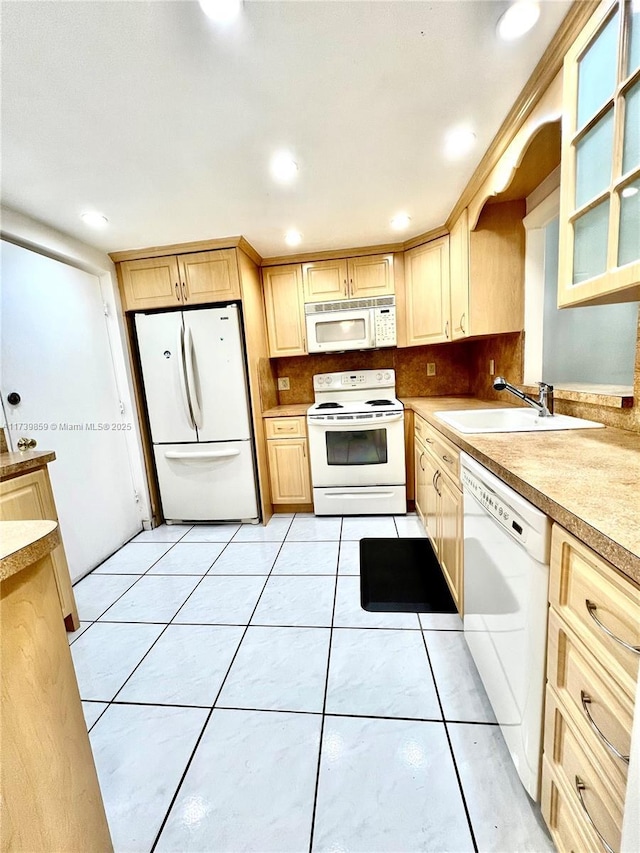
192,388
182,379
201,454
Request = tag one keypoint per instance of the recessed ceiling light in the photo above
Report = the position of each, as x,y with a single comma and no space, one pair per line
519,18
94,220
400,221
293,237
221,11
283,167
459,142
628,192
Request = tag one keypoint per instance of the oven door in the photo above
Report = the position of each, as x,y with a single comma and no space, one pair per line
357,453
335,331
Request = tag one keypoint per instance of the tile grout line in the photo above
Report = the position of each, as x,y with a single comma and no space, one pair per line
453,757
161,634
326,690
210,714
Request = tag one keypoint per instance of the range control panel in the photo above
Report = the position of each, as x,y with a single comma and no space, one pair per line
360,379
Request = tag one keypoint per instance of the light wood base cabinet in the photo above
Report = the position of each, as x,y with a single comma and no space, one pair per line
51,800
288,461
29,496
439,502
594,625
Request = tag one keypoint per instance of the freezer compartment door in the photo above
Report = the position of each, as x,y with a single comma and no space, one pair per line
216,374
161,342
207,481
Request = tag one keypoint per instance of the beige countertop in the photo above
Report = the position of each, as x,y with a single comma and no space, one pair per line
290,411
21,461
24,542
586,480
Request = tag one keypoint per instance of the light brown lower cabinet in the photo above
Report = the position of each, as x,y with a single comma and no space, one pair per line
594,625
29,496
288,461
438,497
51,799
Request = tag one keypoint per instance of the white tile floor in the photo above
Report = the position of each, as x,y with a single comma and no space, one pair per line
239,699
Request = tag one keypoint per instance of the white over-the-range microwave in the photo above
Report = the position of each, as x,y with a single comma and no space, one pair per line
351,324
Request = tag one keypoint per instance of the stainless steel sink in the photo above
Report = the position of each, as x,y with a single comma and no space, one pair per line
510,420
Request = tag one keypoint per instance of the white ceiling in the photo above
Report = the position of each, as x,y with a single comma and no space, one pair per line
149,113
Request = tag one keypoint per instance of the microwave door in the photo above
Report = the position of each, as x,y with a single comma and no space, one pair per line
339,330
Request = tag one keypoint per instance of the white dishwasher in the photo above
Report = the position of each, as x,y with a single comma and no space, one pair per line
506,581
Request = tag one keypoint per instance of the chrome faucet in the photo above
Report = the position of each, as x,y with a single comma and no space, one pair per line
544,403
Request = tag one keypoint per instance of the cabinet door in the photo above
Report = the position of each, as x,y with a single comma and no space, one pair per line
289,468
420,481
450,535
600,161
30,497
459,274
325,280
431,500
150,283
284,308
427,306
371,276
209,276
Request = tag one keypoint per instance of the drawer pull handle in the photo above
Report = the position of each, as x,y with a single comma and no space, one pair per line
591,607
586,701
448,459
420,461
580,787
429,440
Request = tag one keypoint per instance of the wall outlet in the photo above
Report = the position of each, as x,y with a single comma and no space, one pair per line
492,367
431,368
283,383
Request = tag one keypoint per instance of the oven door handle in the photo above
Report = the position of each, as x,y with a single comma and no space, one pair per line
359,424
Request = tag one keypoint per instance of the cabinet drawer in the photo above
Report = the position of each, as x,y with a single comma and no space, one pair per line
420,426
588,691
599,605
567,827
598,802
286,427
445,452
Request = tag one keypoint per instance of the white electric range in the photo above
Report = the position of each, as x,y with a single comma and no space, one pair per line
356,444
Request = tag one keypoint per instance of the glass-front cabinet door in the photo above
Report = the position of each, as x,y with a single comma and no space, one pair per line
600,172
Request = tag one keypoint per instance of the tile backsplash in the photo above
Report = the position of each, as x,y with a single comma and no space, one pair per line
461,368
456,366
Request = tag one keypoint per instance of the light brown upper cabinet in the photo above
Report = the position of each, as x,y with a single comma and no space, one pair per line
496,270
600,165
423,306
284,309
459,275
367,276
191,279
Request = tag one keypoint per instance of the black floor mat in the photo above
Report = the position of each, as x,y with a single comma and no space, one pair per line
402,576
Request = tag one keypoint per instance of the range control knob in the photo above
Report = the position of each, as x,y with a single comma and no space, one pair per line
387,376
320,380
329,380
379,377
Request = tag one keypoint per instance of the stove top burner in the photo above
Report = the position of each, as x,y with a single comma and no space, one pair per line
329,406
378,403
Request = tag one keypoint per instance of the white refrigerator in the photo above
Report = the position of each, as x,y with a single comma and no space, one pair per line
195,384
